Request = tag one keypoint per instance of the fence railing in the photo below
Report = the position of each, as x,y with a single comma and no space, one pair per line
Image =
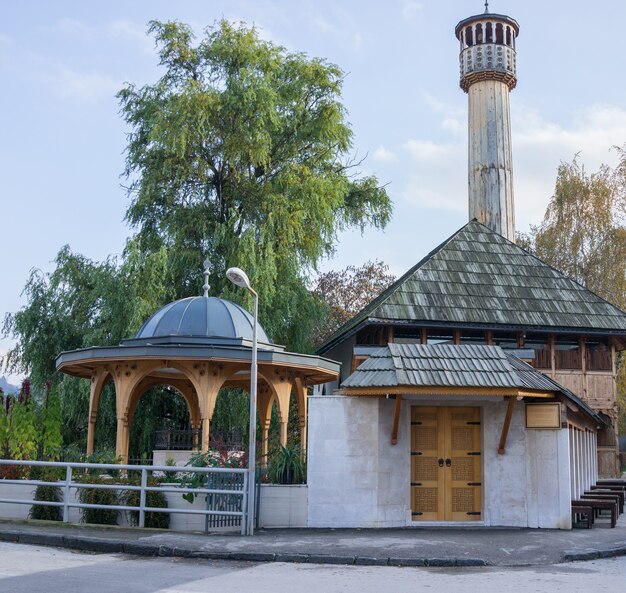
230,483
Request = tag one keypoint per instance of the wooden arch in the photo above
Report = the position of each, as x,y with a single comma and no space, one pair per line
199,383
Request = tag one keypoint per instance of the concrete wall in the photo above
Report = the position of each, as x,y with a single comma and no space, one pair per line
280,506
356,478
283,505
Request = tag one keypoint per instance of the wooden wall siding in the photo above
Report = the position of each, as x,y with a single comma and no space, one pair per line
543,359
601,391
599,360
490,157
568,359
572,380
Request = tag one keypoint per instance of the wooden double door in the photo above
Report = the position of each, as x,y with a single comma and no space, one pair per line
446,467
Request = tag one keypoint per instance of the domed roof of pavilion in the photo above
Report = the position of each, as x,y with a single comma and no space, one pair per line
201,317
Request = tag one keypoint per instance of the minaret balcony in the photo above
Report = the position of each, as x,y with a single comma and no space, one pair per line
487,61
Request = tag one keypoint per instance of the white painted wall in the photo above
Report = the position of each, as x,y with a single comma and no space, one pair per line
356,478
280,506
283,505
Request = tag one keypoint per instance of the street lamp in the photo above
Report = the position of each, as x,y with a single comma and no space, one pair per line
239,278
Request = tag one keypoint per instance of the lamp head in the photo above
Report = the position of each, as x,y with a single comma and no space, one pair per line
238,277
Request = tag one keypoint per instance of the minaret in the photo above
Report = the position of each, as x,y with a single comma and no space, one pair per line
487,76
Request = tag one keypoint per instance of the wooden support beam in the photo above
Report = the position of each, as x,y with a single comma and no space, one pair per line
507,424
423,336
396,420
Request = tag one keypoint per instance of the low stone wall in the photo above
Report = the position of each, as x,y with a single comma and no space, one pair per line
283,506
280,506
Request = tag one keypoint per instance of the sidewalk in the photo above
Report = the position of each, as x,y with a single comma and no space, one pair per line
396,547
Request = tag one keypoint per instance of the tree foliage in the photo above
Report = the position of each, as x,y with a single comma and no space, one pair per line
240,152
346,292
583,234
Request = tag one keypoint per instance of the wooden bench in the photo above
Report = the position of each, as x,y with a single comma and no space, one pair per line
600,504
604,496
580,510
606,490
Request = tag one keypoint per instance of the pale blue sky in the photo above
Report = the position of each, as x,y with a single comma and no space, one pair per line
62,140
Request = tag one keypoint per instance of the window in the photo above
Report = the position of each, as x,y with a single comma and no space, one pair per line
567,353
540,344
598,355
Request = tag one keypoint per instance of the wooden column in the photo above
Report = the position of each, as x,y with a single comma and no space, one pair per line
301,395
98,380
281,385
127,376
207,379
264,409
506,425
396,420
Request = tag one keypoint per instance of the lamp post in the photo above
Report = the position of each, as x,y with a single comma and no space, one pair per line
239,278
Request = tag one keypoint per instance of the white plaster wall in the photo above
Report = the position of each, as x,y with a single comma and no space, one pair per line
356,478
283,505
342,462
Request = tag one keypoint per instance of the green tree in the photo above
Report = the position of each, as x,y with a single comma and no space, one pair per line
241,152
583,234
345,292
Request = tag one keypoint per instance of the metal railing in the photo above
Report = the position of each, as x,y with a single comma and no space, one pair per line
231,488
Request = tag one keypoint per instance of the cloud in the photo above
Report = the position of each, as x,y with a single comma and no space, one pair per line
438,175
75,28
438,170
411,9
539,146
86,87
383,155
343,27
454,126
133,32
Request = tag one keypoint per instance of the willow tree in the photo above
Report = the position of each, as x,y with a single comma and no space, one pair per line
241,152
583,234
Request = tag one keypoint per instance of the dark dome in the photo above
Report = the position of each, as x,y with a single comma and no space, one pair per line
201,317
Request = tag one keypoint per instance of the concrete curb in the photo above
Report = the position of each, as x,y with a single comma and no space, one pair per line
117,545
594,554
112,546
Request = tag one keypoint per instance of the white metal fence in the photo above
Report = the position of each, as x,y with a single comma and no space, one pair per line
235,488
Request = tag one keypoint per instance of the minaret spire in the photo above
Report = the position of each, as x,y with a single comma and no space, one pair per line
488,74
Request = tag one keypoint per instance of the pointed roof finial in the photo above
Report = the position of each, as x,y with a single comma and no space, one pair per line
486,6
207,271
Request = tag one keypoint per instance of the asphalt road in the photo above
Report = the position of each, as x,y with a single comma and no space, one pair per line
33,569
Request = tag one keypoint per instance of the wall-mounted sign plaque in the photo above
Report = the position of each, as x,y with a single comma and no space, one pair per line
543,415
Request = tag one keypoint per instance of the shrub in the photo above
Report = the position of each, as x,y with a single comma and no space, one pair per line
98,496
51,493
45,512
153,499
286,465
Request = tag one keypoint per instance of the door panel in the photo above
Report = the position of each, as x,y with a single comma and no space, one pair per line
463,479
445,464
427,499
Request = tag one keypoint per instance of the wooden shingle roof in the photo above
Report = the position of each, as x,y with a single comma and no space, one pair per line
478,278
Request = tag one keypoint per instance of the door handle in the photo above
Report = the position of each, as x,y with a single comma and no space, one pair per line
440,462
448,462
